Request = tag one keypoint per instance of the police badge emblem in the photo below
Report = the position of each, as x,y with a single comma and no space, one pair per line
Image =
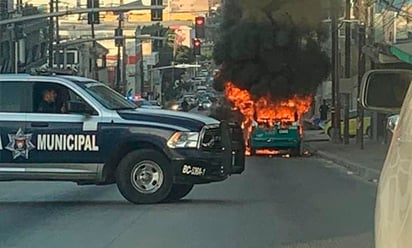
20,144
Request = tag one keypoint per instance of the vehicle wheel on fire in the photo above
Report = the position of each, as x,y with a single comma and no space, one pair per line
252,151
144,176
178,192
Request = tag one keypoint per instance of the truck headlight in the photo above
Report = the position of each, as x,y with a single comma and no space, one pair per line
183,140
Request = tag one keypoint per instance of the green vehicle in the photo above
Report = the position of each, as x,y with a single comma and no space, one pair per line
279,134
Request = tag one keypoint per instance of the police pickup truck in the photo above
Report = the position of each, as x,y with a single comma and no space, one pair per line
68,128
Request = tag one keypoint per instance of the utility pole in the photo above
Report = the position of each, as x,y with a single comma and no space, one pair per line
138,51
94,54
92,19
336,134
118,65
348,58
124,65
118,73
57,36
348,40
120,79
15,40
141,69
51,34
361,69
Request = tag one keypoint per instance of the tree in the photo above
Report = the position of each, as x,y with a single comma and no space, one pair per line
184,55
156,30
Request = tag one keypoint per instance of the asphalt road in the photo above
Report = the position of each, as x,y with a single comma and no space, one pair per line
277,202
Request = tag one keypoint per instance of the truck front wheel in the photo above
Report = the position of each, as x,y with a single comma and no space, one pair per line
144,176
178,192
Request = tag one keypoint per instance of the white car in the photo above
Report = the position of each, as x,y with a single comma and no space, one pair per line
388,91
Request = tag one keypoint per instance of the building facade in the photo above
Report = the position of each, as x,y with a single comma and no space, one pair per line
22,46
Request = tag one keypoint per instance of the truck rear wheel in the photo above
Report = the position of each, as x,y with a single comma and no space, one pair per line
252,150
178,192
144,176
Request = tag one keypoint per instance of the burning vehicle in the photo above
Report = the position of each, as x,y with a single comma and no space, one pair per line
270,125
271,63
276,134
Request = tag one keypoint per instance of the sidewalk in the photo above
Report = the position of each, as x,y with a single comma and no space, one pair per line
366,163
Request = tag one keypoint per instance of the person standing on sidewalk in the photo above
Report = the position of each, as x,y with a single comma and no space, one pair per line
323,110
185,105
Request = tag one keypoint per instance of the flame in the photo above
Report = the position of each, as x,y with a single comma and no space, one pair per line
267,152
264,109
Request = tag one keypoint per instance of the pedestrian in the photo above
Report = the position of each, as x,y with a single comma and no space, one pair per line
323,110
185,105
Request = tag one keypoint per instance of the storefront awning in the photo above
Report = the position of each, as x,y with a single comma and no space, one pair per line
403,52
380,54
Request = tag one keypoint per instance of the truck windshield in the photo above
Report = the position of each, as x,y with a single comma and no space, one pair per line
108,97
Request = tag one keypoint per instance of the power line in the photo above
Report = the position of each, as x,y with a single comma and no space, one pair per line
384,25
398,9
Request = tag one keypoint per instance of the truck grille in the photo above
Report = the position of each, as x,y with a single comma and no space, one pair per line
211,140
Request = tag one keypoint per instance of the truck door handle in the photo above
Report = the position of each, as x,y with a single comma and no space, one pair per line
39,124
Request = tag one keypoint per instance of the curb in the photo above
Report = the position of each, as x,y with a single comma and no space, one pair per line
358,169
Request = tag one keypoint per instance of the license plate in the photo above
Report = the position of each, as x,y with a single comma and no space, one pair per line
283,131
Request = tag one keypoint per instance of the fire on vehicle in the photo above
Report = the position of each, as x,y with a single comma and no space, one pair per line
270,125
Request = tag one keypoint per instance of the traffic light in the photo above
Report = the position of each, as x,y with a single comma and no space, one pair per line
157,14
93,17
196,46
200,27
118,41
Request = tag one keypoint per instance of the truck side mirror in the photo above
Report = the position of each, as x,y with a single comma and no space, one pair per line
384,90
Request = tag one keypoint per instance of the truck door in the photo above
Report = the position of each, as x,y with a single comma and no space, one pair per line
15,143
65,142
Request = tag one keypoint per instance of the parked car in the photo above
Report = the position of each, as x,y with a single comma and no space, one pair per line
353,116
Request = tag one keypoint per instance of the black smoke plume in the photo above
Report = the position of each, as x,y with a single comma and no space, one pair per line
272,47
